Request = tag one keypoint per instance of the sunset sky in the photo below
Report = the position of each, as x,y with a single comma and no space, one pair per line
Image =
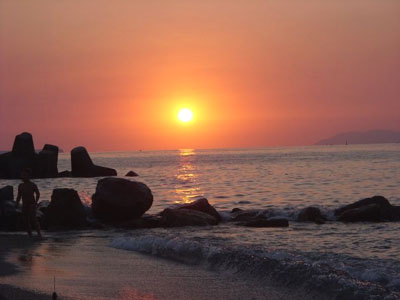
112,75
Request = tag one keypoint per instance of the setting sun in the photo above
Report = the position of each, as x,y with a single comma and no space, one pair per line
185,115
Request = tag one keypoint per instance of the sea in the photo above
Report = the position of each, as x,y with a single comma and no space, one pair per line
338,260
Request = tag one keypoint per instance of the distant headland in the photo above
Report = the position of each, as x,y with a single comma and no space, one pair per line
364,137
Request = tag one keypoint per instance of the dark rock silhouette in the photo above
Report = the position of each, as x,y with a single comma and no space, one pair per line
375,209
23,155
260,222
7,193
65,210
311,214
186,217
118,199
23,146
83,166
204,206
240,215
64,174
131,174
145,221
47,162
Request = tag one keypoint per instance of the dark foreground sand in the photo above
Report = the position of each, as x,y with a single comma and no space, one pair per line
86,267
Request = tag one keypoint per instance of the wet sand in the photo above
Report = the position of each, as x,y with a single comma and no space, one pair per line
86,267
8,245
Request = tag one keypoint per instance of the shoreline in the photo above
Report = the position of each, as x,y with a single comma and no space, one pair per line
86,267
7,291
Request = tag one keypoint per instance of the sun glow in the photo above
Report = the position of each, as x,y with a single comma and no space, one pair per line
185,115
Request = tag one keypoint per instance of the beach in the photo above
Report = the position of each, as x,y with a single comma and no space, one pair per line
86,267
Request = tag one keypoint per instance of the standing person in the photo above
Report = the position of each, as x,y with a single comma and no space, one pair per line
29,193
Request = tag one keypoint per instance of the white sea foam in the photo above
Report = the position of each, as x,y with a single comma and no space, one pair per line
291,268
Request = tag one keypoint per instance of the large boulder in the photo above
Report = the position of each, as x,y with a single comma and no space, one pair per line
47,162
311,214
65,210
118,199
186,217
375,209
204,206
83,166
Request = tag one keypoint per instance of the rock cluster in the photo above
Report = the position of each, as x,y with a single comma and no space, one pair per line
23,155
44,163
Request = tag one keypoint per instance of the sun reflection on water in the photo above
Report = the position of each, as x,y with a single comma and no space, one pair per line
187,187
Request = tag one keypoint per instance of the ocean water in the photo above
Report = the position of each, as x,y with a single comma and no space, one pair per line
343,261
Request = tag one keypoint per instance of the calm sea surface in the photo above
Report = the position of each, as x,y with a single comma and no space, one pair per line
365,256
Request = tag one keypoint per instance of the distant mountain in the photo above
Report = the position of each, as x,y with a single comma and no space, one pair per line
366,137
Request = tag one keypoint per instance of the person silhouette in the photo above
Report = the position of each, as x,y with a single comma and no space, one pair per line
29,193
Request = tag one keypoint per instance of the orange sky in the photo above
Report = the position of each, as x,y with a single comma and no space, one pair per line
111,75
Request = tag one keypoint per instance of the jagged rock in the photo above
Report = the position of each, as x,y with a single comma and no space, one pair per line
131,174
83,166
186,217
65,210
118,199
375,209
265,223
204,206
47,162
311,214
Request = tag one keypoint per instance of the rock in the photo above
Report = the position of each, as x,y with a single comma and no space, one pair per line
23,146
375,209
47,162
249,215
265,223
65,210
42,205
82,165
6,193
131,174
22,156
186,217
236,210
311,214
118,199
146,221
204,206
64,174
379,200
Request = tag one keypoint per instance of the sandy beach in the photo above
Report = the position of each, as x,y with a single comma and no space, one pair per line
86,267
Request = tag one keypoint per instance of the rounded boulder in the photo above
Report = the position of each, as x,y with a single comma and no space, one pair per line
118,199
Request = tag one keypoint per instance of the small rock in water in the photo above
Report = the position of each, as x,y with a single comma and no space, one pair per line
131,174
311,214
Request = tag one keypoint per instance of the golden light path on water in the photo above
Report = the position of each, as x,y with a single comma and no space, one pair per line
187,188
